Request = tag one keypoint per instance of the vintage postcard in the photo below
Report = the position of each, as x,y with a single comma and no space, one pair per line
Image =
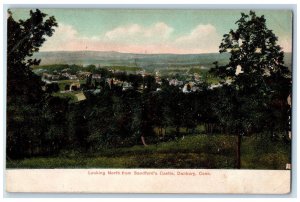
149,100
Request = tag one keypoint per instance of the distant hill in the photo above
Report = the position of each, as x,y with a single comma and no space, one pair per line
146,61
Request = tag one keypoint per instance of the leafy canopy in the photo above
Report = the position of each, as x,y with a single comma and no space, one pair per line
253,48
24,37
254,71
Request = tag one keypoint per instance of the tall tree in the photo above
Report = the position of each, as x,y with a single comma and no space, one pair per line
255,67
24,89
24,37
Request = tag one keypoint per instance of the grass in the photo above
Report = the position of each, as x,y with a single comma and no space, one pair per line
259,153
71,95
197,151
75,96
63,83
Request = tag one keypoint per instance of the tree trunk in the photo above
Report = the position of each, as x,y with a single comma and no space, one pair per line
238,152
143,141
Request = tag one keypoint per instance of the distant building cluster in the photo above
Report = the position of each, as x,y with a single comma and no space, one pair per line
87,81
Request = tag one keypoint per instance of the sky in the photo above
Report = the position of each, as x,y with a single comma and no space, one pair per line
151,31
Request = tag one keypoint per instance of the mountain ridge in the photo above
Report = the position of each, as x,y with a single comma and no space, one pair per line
146,61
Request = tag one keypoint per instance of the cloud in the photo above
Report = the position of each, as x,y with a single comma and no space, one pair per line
138,34
135,38
203,38
65,37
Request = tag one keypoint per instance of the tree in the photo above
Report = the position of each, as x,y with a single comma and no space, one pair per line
25,97
52,88
23,39
150,82
174,109
67,87
254,69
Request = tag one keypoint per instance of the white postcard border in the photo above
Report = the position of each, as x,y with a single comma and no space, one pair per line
209,181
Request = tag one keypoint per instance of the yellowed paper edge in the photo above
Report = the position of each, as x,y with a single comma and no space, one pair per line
148,181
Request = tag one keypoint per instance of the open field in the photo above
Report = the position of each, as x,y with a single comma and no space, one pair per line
196,151
73,96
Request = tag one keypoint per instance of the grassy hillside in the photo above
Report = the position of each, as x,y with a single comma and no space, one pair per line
198,151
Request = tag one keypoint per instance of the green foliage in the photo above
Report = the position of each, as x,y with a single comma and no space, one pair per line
107,128
52,88
255,69
25,38
262,152
72,69
70,96
35,118
199,151
252,47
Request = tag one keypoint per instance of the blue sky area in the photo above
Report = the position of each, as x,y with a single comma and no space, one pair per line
152,31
